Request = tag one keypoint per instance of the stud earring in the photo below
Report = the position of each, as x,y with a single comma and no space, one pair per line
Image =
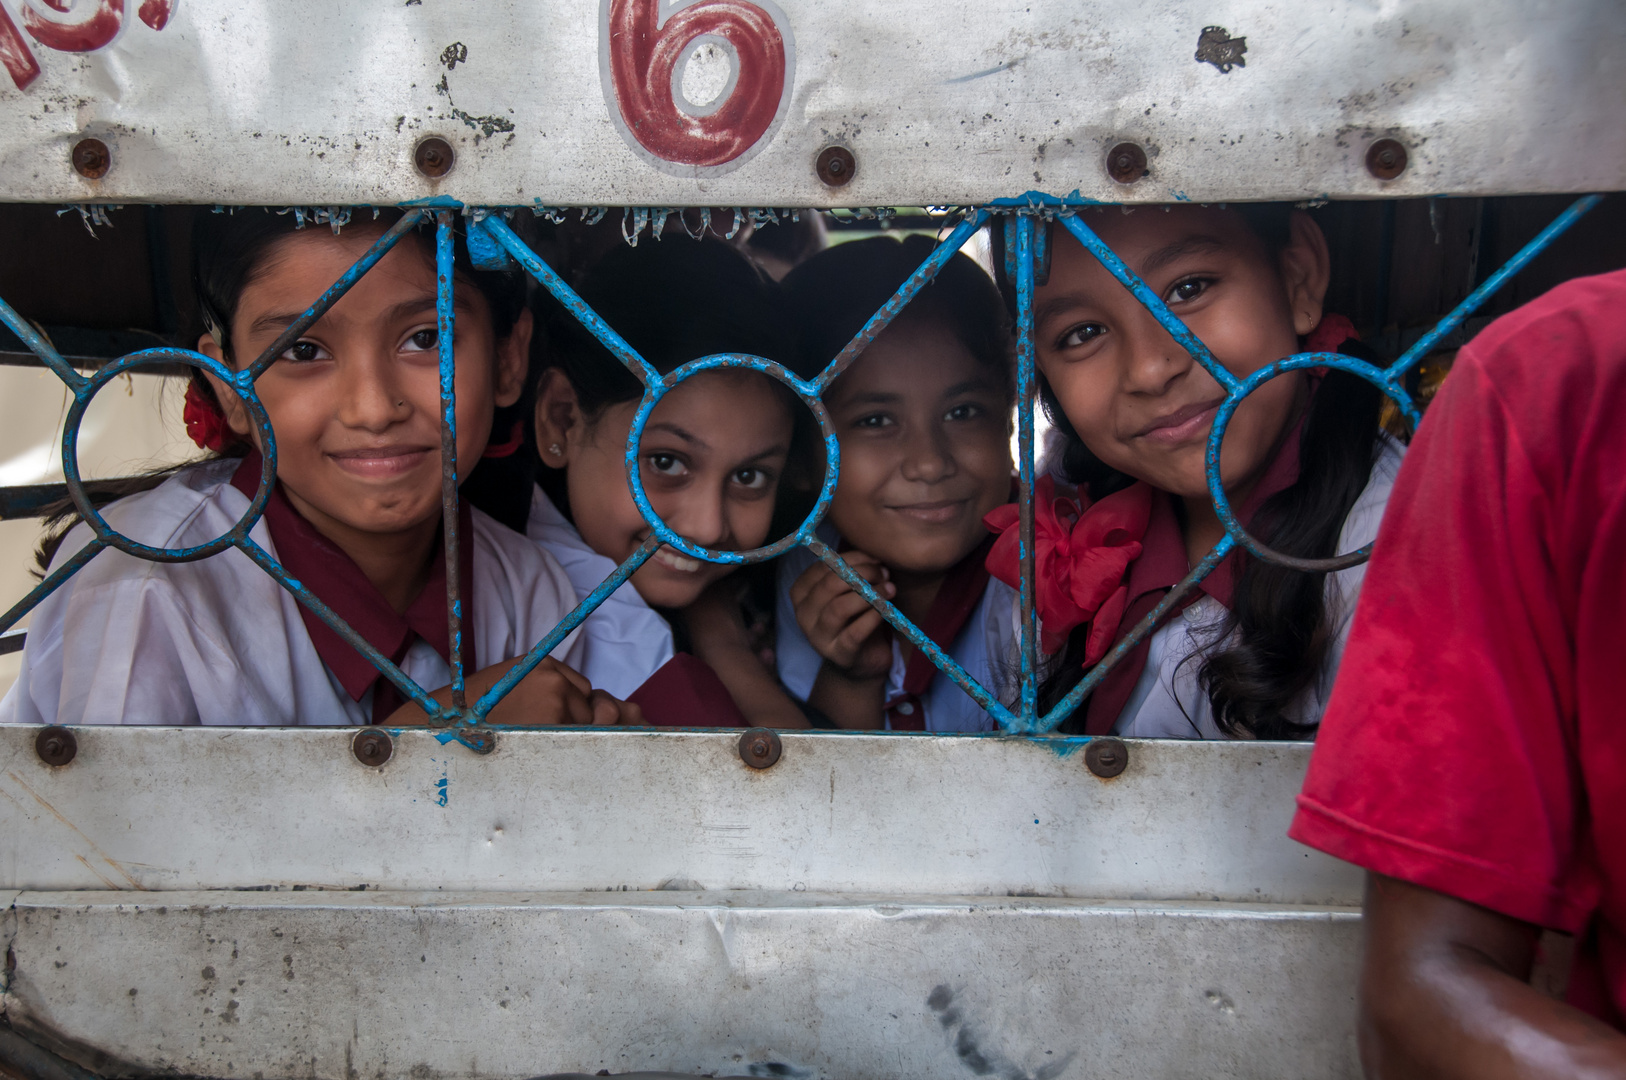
556,450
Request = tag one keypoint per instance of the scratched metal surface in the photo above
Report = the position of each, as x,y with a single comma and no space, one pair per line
341,985
185,808
314,102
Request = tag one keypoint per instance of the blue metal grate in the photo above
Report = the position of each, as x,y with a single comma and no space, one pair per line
491,241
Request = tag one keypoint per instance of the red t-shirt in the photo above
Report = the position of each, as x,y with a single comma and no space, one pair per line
1475,743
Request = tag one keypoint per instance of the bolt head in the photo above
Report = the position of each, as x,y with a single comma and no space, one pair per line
434,157
56,745
835,165
1386,159
1126,163
372,748
1106,757
760,748
91,158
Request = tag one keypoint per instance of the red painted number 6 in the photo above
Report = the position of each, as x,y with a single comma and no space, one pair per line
76,26
645,50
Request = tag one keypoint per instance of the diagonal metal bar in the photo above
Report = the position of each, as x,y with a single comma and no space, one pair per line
1519,261
906,292
1069,704
498,229
1150,300
1029,703
51,583
297,328
41,348
577,616
900,622
446,339
297,589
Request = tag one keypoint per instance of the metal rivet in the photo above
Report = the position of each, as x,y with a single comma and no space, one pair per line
835,165
1126,163
1106,757
759,748
434,157
1386,159
91,158
372,748
56,745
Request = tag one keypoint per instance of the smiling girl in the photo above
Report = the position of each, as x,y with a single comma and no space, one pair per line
924,417
1304,463
355,514
712,458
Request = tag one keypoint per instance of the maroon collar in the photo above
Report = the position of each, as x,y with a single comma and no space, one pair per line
1162,565
334,578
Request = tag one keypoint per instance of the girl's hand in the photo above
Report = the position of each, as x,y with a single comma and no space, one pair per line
552,694
838,621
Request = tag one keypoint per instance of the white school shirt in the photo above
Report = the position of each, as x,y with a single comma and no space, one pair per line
1168,703
218,641
981,647
624,640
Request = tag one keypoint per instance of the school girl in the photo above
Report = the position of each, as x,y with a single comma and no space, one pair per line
712,460
923,416
1253,653
355,514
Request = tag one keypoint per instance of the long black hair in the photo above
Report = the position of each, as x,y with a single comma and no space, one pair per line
229,251
1278,620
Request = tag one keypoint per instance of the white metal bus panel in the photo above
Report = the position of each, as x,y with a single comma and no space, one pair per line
730,102
502,987
154,808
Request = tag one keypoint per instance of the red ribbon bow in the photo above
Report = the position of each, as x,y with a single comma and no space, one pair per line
1332,331
205,423
1082,555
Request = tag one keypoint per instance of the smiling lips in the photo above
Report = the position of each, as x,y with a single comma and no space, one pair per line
381,462
673,561
932,513
1182,424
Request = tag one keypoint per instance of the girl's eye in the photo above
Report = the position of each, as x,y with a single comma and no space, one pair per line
873,421
754,479
422,340
967,411
1187,290
303,352
1081,335
667,464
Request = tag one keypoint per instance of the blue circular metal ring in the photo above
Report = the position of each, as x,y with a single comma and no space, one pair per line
93,517
808,396
1216,436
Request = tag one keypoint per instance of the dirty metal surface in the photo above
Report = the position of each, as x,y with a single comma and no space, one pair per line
337,985
733,102
152,808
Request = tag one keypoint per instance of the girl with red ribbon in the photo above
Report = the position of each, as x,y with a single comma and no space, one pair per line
354,514
1252,652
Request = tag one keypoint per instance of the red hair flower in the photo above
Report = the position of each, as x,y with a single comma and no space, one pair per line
1081,560
205,423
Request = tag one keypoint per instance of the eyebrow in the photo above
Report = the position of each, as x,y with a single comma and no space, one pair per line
1186,245
694,440
278,321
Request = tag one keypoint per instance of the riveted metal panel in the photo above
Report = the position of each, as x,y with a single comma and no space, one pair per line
793,985
306,101
179,808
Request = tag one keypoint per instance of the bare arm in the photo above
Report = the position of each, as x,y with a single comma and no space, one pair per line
1444,994
719,637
